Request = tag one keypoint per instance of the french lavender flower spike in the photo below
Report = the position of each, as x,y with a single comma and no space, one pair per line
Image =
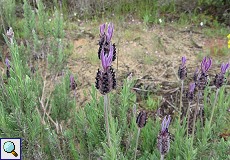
102,29
110,32
224,68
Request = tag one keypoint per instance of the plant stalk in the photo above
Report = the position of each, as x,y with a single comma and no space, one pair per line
162,157
181,94
188,117
138,134
195,114
214,106
106,105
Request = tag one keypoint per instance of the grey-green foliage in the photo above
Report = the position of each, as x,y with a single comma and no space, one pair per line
7,12
57,58
19,97
29,15
43,23
62,104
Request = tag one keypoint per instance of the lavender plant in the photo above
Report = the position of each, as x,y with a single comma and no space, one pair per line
218,82
105,79
105,41
141,122
163,139
201,80
182,73
190,96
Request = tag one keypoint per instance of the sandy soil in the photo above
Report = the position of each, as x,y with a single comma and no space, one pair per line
152,53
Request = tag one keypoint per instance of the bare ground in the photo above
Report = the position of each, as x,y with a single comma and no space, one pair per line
150,54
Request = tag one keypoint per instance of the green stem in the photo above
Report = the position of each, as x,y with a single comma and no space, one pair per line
214,106
188,116
201,116
106,103
181,94
138,134
195,114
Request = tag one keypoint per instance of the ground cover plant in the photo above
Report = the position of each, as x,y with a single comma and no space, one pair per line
124,89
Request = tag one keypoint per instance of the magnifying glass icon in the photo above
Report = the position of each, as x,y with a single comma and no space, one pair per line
9,147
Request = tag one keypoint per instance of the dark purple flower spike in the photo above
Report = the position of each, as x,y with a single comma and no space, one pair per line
141,119
73,84
163,139
182,71
105,41
202,77
105,79
190,93
220,78
7,62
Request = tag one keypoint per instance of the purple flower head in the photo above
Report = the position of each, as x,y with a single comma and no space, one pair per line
106,59
182,71
141,119
163,138
220,78
73,84
71,79
165,124
109,32
102,29
7,63
206,64
224,68
183,60
190,93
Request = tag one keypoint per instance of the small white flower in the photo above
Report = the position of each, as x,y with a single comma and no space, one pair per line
160,20
75,14
201,24
50,19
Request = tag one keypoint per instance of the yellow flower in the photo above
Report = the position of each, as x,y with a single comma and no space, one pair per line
228,41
